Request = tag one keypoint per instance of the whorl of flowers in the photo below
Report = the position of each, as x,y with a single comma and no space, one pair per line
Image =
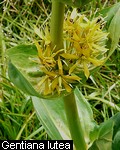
84,46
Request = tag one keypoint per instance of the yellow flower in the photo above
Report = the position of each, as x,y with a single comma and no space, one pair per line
55,80
87,40
84,46
47,55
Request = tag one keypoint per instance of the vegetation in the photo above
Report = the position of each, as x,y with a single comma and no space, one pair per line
18,119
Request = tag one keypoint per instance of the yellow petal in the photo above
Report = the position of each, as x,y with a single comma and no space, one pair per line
54,54
67,87
60,66
58,90
47,89
77,47
72,77
98,47
47,52
39,49
47,31
42,81
74,14
95,61
86,71
38,32
73,67
69,56
76,37
60,84
60,81
47,37
54,83
53,74
86,52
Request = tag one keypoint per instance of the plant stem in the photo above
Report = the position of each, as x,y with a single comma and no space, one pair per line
74,122
56,29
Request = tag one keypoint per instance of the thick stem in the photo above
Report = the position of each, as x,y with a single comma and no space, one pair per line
56,29
74,122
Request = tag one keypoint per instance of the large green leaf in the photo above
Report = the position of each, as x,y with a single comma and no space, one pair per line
25,58
75,3
108,135
24,71
104,139
116,142
112,18
22,55
116,132
20,81
114,30
52,116
109,13
85,114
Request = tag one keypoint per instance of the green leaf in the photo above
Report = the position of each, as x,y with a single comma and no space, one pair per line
114,30
104,139
109,13
52,116
75,3
108,135
20,81
25,58
106,130
21,55
116,132
112,18
116,142
85,114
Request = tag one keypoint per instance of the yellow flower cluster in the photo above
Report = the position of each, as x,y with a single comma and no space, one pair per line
87,40
84,43
55,78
